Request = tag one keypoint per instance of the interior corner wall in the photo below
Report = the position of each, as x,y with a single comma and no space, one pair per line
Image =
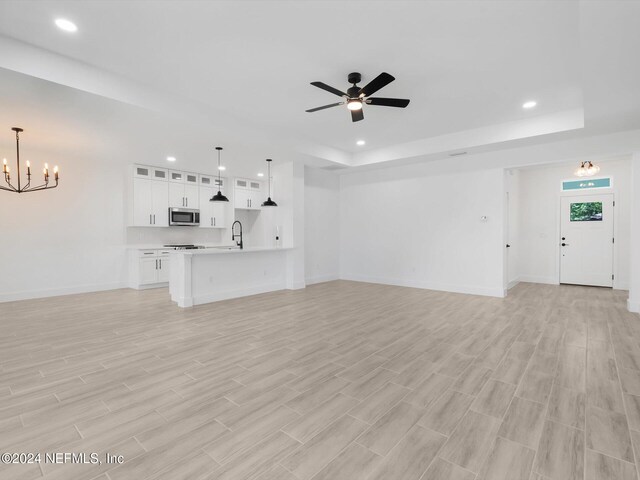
407,226
539,220
513,252
321,225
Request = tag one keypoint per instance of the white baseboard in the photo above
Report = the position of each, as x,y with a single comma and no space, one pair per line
322,279
56,292
513,283
538,279
633,306
442,287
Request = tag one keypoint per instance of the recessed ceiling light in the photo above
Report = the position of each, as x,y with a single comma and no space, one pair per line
529,104
222,168
66,25
360,142
261,174
171,159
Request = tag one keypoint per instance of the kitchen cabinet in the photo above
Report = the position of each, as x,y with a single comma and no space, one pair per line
150,173
183,195
150,203
212,214
247,194
150,268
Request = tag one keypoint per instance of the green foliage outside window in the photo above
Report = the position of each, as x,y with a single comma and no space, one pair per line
586,212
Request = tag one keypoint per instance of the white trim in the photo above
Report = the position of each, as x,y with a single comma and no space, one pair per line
633,306
322,278
538,279
513,283
468,289
56,292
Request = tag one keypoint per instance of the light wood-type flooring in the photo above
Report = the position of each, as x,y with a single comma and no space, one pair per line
339,381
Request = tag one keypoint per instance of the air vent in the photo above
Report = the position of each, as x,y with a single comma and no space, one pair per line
457,154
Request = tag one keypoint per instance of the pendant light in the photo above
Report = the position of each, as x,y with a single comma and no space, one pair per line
219,197
268,202
22,187
586,169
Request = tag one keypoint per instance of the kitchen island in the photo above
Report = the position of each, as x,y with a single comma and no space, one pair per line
212,274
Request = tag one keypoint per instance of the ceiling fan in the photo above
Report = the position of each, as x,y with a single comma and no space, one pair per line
356,97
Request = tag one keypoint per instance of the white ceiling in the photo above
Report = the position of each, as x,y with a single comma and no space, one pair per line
465,65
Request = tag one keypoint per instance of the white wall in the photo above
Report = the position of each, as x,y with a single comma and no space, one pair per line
69,239
512,254
322,225
634,282
404,226
539,220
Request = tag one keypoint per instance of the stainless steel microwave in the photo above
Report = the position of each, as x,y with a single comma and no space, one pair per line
184,216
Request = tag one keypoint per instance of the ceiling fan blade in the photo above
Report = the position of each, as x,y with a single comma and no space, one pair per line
376,84
329,89
356,115
324,106
388,102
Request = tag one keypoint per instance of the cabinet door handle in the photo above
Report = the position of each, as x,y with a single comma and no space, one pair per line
150,222
156,263
160,264
154,218
214,221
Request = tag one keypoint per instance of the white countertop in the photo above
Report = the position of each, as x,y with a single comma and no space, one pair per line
218,251
155,246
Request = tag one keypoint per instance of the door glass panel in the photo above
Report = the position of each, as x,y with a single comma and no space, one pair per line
160,174
192,178
142,171
255,185
206,180
176,176
586,212
241,183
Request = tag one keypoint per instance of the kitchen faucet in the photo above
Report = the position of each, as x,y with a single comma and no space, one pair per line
233,233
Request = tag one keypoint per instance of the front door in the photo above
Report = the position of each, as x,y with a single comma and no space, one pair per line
586,240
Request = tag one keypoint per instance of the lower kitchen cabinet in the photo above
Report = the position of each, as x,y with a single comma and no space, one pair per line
149,268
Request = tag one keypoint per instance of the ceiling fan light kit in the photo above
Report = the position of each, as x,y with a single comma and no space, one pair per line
356,97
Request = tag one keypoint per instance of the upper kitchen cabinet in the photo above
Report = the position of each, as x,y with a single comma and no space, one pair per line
150,173
183,195
209,181
183,189
247,194
150,199
212,214
183,177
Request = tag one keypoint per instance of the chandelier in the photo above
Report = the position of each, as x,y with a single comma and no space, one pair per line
586,169
19,188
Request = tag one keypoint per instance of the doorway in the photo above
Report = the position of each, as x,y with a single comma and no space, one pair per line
586,240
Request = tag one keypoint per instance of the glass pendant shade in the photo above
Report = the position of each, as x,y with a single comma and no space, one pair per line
268,202
586,169
219,197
